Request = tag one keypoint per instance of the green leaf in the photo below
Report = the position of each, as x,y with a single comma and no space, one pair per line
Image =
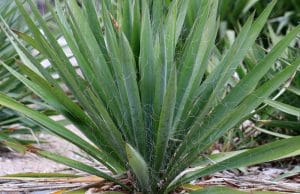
139,168
271,132
283,107
165,122
146,66
158,13
205,160
12,143
281,124
132,93
294,90
290,173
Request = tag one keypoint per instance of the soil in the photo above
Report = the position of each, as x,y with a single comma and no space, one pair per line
12,162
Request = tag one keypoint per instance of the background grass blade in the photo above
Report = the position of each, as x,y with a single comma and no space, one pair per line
284,107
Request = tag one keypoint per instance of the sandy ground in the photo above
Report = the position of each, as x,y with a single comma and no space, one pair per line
12,162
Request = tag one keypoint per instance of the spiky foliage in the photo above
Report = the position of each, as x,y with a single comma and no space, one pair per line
279,116
143,96
11,122
284,13
282,112
8,83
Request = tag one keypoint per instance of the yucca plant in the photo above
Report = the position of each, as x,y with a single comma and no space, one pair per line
141,93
